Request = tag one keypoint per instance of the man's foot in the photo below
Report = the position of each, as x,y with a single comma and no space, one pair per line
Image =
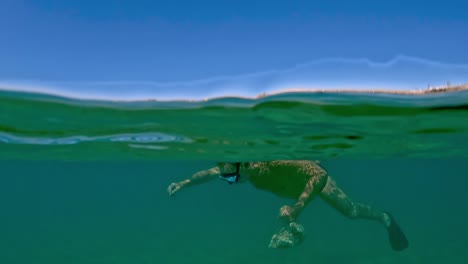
397,238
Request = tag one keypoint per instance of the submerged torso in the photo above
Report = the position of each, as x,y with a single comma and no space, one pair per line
284,178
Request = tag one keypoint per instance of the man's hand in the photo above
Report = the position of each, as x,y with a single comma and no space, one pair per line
174,187
287,212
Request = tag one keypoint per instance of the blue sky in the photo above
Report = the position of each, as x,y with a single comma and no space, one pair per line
66,42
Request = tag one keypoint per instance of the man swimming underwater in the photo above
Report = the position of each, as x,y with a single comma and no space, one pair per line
300,180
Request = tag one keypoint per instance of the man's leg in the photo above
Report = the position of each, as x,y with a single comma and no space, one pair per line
334,196
339,200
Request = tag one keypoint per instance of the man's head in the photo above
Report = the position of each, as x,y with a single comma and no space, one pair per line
231,172
226,167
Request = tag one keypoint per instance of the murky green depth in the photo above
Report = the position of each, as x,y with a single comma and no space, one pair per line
119,212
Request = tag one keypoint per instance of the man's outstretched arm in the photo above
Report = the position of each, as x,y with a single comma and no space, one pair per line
198,178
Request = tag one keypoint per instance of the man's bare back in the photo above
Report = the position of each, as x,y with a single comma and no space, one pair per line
286,178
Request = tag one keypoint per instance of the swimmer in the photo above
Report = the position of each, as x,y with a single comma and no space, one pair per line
300,180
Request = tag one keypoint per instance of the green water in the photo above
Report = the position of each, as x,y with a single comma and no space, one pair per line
85,182
288,126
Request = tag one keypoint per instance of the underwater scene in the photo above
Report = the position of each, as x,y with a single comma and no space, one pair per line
86,181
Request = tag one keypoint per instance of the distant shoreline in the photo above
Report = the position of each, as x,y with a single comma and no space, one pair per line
430,90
